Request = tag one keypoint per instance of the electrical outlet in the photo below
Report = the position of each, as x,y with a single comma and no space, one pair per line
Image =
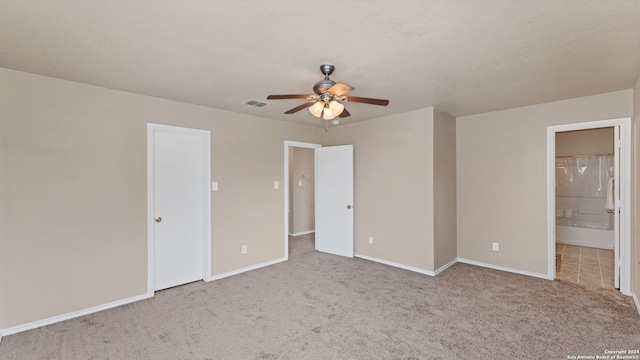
244,249
496,246
370,239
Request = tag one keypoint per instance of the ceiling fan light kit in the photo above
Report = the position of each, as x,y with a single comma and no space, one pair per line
326,100
327,110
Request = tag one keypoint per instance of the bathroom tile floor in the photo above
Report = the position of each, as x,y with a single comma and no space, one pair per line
587,266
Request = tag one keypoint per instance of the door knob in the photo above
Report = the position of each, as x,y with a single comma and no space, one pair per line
158,219
348,206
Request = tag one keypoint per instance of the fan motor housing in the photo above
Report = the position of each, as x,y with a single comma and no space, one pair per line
323,85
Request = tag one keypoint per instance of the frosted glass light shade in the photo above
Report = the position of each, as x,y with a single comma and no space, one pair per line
316,109
328,114
336,108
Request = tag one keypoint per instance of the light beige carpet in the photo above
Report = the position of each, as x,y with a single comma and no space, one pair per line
320,306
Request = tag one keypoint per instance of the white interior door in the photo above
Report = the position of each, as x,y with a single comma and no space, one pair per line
178,205
334,199
616,211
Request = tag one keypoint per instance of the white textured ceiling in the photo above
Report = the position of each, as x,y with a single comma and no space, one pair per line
463,57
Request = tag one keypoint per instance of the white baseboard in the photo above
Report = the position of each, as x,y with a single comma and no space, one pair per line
398,265
635,300
249,268
302,233
71,315
446,266
503,268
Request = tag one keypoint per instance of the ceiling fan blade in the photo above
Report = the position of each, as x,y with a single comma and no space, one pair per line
380,102
281,97
344,113
298,108
340,89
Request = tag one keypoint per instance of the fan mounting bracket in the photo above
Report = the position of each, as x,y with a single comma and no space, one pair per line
327,69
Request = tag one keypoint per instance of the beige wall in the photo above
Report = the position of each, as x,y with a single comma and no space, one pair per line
502,180
585,142
393,176
302,197
444,189
635,215
73,188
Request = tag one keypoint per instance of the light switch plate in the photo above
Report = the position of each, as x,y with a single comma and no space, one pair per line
214,186
276,184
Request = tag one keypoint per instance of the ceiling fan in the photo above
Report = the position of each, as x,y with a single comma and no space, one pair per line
326,101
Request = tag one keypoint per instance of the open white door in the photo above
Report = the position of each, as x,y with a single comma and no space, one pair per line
616,210
334,199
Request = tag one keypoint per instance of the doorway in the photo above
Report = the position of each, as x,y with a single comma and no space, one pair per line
299,192
333,185
178,168
585,234
586,212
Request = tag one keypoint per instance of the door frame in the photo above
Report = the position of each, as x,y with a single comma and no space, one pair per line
625,194
205,135
288,144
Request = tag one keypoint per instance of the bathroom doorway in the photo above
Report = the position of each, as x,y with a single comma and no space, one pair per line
591,223
584,207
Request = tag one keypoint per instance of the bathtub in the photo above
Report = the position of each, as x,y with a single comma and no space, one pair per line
574,235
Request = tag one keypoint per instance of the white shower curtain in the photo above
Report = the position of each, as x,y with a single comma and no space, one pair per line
581,191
